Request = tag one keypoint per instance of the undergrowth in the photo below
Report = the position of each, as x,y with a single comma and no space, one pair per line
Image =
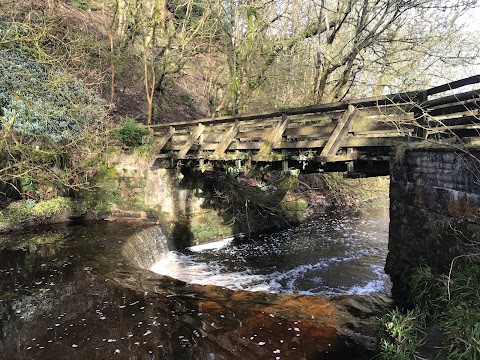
399,335
449,303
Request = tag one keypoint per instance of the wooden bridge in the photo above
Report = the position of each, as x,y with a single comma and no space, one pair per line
361,132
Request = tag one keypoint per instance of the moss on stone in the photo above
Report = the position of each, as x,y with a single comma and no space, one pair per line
208,226
294,208
29,212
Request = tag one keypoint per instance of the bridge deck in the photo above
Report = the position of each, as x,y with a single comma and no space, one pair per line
337,132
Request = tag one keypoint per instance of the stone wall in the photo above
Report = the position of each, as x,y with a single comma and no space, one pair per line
434,210
195,207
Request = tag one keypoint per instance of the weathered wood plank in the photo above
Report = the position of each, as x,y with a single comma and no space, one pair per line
310,131
457,107
341,130
337,158
227,139
194,137
250,135
163,141
446,129
305,144
400,131
275,136
454,85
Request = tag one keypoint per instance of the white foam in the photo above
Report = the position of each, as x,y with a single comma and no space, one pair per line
240,267
212,246
372,286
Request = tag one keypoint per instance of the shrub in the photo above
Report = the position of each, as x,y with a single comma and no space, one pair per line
130,133
51,125
36,100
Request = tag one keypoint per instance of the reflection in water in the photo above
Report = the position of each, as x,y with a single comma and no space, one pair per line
76,296
334,254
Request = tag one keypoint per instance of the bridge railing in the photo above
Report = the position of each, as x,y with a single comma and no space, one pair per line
326,132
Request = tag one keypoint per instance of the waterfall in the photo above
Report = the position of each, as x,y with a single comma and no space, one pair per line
146,248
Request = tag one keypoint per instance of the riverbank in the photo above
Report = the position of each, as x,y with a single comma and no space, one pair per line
206,207
442,320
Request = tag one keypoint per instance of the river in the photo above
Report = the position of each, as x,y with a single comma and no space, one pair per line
86,291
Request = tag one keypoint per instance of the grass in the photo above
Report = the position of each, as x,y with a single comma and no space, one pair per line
399,336
449,303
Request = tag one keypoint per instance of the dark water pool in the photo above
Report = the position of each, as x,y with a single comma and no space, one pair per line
68,292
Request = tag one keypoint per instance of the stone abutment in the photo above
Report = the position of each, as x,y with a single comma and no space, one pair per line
434,211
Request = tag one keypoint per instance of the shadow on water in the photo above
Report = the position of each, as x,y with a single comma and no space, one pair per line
84,295
226,195
181,235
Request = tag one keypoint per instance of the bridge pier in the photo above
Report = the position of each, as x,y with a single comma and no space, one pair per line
434,211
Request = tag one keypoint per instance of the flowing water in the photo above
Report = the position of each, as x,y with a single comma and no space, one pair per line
86,292
333,254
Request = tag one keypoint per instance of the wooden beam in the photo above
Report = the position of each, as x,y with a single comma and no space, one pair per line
337,158
163,141
227,139
341,130
188,144
454,85
274,137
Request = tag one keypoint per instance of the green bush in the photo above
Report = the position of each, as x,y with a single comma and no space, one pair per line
130,133
51,125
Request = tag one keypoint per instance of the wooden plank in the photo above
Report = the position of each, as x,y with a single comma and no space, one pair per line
374,102
339,133
454,85
305,144
337,158
452,99
460,118
400,131
275,136
310,131
375,142
227,139
214,138
259,134
438,129
453,108
194,137
163,141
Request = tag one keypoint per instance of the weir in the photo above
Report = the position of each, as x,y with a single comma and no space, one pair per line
428,146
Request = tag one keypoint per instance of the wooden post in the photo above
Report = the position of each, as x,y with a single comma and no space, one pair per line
227,139
419,116
164,140
285,167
